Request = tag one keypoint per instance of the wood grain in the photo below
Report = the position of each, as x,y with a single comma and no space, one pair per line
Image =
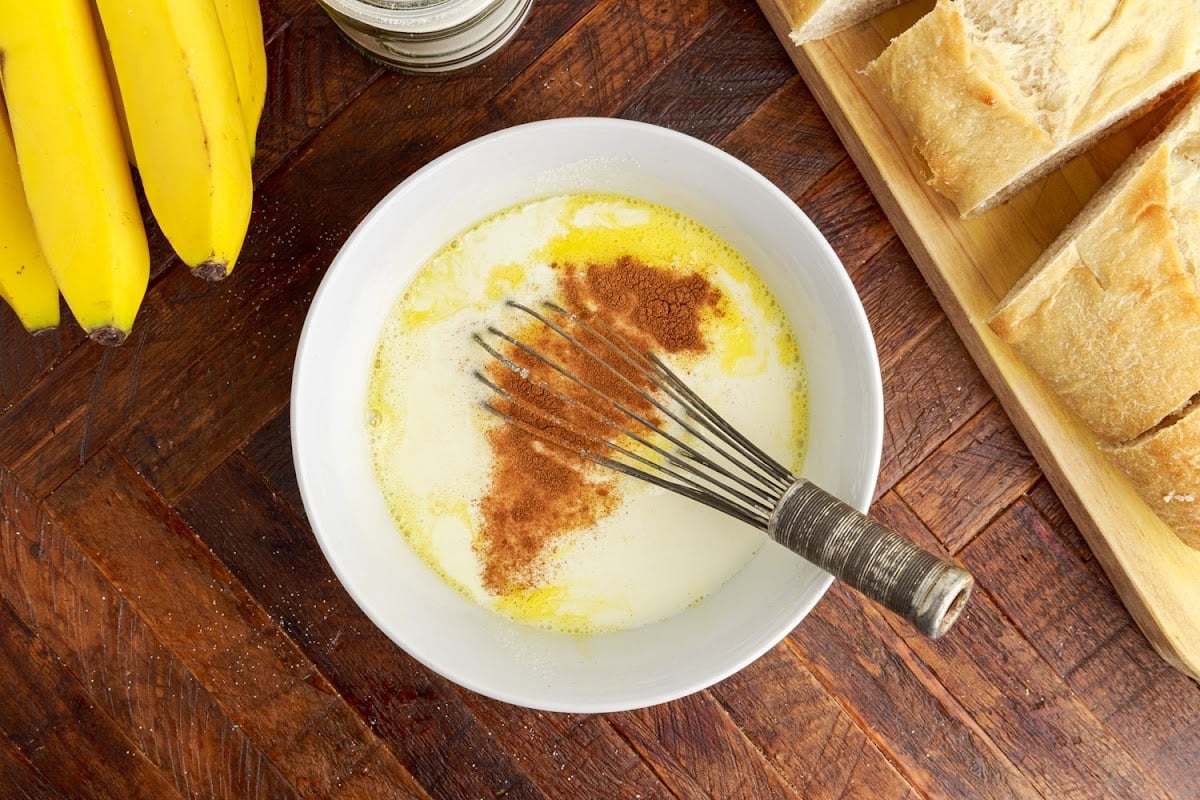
984,445
65,733
236,651
789,141
778,702
1102,657
169,627
718,81
970,265
54,587
618,46
915,721
695,729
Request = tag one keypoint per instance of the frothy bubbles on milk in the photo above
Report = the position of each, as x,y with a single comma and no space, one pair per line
655,553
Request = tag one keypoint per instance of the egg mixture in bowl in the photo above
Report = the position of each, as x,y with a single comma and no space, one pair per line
533,532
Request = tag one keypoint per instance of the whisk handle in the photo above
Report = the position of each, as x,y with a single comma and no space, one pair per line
884,566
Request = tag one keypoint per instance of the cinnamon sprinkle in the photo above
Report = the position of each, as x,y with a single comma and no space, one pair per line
540,492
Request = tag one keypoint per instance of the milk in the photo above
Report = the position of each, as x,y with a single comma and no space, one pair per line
656,553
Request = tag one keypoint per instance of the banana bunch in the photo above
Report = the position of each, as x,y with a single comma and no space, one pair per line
174,88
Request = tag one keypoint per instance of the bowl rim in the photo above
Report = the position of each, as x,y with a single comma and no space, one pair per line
511,136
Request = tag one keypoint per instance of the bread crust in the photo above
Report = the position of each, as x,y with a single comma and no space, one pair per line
1164,468
816,19
995,94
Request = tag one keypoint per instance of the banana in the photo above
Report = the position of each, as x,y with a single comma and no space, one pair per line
77,180
178,88
111,74
25,280
242,25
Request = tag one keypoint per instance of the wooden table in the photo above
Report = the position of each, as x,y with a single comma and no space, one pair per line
171,629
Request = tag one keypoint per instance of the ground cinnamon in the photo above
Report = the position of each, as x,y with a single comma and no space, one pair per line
538,491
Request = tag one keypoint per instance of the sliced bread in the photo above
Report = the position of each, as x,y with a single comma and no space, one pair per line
1163,466
997,93
1109,317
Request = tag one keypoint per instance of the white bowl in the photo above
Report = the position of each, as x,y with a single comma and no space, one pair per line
475,647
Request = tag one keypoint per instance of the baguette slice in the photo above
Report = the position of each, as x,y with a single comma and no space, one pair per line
1164,468
816,19
997,93
1109,317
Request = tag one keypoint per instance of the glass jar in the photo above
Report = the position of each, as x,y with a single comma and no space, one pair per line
428,35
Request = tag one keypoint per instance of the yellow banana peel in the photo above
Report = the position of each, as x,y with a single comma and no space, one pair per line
73,167
25,280
180,97
242,26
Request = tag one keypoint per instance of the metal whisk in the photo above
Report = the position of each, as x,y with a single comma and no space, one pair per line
701,456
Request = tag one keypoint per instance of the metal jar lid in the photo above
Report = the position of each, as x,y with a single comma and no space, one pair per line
428,35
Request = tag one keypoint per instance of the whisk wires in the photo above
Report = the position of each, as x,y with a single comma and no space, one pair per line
675,440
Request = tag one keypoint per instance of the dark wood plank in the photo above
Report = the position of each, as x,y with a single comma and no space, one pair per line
312,75
805,732
674,737
932,739
843,209
20,778
1017,558
183,437
48,716
269,454
1043,498
719,80
277,13
788,140
930,390
1081,629
567,755
98,635
57,426
977,473
1148,705
235,650
904,312
615,50
26,358
1030,714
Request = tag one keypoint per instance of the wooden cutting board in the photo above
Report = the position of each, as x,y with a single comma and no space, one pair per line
970,265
